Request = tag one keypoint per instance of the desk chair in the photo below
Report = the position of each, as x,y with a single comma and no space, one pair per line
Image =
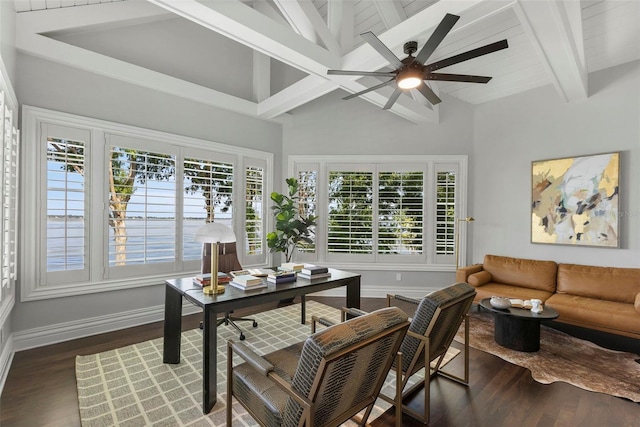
227,262
437,318
323,382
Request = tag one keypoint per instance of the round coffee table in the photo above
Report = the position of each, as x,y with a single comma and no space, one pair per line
517,328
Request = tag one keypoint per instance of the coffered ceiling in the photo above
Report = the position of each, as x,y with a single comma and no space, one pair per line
265,58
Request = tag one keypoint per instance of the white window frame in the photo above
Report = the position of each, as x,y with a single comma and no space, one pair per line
430,164
33,287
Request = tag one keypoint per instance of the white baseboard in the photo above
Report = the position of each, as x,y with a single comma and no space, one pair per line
52,334
6,357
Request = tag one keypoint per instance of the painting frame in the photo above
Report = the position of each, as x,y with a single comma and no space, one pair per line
575,201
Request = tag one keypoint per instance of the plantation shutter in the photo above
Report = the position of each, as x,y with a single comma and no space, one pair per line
350,218
65,195
254,210
446,191
400,213
9,136
208,195
142,207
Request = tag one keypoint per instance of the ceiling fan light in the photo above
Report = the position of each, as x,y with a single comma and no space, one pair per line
409,82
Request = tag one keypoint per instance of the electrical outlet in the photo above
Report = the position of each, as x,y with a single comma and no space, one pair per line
398,277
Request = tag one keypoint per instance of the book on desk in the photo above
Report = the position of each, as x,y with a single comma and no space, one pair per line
312,272
282,277
205,279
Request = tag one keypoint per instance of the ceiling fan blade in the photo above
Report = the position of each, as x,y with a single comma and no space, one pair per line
457,78
372,88
383,50
361,73
436,38
429,94
474,53
393,98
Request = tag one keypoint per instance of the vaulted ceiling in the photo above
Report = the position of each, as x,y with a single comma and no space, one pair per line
265,58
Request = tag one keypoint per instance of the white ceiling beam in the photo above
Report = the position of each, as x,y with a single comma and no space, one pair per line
245,25
63,53
340,20
295,95
391,12
261,76
366,59
306,21
555,30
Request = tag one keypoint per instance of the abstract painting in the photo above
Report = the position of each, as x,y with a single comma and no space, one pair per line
574,201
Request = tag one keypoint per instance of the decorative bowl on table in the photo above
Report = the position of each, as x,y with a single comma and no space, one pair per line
500,303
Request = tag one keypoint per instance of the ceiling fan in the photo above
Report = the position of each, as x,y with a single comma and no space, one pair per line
411,72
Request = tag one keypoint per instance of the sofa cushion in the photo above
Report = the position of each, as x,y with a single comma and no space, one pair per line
607,316
637,303
509,291
479,278
527,273
607,283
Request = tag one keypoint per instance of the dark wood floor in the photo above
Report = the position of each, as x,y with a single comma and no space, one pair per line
41,390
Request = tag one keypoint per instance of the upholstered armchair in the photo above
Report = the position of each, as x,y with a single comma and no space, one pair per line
437,318
324,381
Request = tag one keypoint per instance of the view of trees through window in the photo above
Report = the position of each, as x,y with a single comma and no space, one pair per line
350,220
376,209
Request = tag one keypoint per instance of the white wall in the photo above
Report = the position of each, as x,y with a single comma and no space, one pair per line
7,39
58,87
511,133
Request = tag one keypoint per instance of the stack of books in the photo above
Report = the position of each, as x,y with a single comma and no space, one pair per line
247,282
281,277
258,272
314,272
205,279
291,266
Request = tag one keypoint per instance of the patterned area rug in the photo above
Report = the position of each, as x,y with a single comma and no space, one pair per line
131,387
564,358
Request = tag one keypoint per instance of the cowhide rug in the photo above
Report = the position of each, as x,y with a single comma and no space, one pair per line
564,358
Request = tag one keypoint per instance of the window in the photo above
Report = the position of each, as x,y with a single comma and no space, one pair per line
400,212
208,196
9,137
65,204
253,209
384,210
350,213
307,185
122,203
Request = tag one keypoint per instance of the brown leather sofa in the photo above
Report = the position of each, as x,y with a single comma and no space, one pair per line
602,298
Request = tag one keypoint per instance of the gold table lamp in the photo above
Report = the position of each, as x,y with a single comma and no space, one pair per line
458,221
214,233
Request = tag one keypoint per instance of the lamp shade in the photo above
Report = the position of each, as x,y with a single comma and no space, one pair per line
214,232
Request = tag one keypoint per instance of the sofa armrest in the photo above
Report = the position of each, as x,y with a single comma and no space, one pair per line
463,273
480,278
637,302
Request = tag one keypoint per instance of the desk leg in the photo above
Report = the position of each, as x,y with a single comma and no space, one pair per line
172,325
353,293
209,361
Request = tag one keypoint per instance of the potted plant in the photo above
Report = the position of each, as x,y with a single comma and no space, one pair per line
293,227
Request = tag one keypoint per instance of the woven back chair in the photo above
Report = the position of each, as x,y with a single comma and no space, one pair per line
325,381
437,318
